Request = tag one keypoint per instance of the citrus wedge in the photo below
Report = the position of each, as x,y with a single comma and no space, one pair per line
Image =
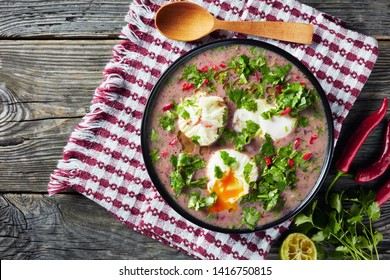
298,246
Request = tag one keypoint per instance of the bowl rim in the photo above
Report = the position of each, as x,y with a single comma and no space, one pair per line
149,108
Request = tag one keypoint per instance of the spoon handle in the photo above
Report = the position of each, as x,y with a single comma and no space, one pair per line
295,32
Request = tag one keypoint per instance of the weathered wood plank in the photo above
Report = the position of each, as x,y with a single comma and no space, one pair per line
102,19
69,227
47,86
75,18
73,227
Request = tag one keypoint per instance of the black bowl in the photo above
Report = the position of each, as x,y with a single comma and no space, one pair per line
150,106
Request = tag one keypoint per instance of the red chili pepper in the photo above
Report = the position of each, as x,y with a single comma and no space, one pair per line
307,156
268,160
278,89
164,153
380,166
303,83
257,76
355,142
358,137
205,81
313,138
286,111
187,86
167,107
291,162
215,67
173,142
204,69
297,143
222,65
383,194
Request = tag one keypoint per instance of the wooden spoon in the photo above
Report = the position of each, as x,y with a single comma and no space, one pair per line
186,21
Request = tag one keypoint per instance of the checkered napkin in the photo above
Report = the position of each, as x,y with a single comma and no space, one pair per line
103,158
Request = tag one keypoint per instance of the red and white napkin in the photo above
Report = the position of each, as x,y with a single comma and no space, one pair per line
103,158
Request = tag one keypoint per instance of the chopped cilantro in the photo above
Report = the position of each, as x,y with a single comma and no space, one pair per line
194,76
245,66
247,171
185,166
242,99
218,172
277,75
246,135
267,148
154,135
227,160
195,139
197,202
154,155
250,217
167,122
303,122
294,96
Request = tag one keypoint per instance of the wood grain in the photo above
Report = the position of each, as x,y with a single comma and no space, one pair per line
59,19
69,227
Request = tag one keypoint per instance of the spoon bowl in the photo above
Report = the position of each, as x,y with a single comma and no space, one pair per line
187,21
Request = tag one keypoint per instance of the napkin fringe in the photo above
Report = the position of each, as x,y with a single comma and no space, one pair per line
137,10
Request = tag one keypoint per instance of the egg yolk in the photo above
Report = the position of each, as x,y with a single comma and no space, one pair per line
228,190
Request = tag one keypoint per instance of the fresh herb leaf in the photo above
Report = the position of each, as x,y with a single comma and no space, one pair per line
197,202
277,75
227,159
154,155
247,171
242,99
154,135
218,172
303,122
246,135
345,227
250,217
267,148
185,166
194,76
195,139
295,97
168,121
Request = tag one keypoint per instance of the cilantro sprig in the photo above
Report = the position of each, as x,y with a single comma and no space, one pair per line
242,98
344,224
245,66
250,217
246,135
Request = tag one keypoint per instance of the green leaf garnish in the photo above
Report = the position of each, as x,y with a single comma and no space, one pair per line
218,172
227,160
246,135
250,217
154,155
197,202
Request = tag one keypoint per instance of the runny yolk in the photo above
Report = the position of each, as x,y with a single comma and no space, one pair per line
228,190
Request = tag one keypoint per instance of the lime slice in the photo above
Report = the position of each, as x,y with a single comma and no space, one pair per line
298,246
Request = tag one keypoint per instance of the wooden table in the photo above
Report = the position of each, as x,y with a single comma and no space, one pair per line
52,54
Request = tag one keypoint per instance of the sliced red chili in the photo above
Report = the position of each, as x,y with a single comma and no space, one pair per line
187,86
303,83
307,156
204,69
164,153
215,67
205,81
222,65
359,135
173,142
383,194
167,107
291,162
278,89
313,138
268,160
257,76
378,167
286,111
297,143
